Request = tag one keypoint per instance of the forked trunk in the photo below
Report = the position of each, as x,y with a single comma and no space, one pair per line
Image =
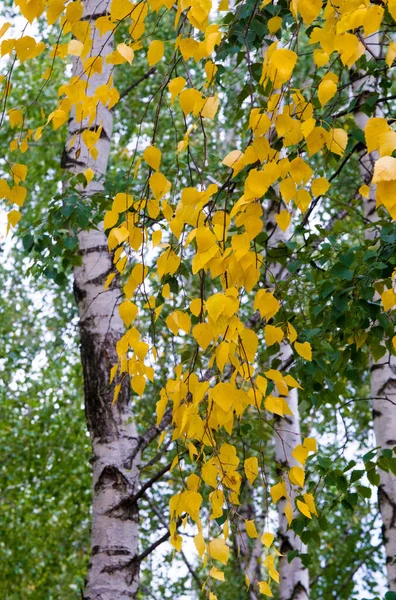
113,568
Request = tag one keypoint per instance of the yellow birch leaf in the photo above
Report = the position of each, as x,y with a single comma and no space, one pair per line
219,550
326,90
310,502
289,512
304,350
300,453
273,335
310,444
274,24
152,156
19,172
126,52
89,174
251,468
385,169
251,529
337,141
128,312
291,333
303,508
203,334
175,86
274,405
155,52
15,117
13,217
297,476
391,54
267,539
394,342
216,574
265,589
138,384
283,219
278,491
17,194
388,299
266,303
75,48
319,186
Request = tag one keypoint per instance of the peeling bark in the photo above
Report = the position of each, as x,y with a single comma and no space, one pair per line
113,572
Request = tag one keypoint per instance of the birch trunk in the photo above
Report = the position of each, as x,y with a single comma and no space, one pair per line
383,372
294,577
113,568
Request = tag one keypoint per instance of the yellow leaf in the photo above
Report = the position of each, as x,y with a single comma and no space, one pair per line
310,444
326,90
267,539
385,169
281,63
110,219
266,303
391,53
274,24
128,311
278,491
200,544
17,194
394,342
291,333
89,174
300,453
155,52
138,384
297,476
19,172
219,550
203,333
75,48
310,502
210,107
13,217
309,10
251,468
388,299
337,141
15,117
216,574
265,589
274,405
319,186
175,87
152,156
126,52
283,219
289,512
251,529
273,335
304,350
303,508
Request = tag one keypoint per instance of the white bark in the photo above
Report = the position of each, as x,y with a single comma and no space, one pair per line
383,372
113,568
294,577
